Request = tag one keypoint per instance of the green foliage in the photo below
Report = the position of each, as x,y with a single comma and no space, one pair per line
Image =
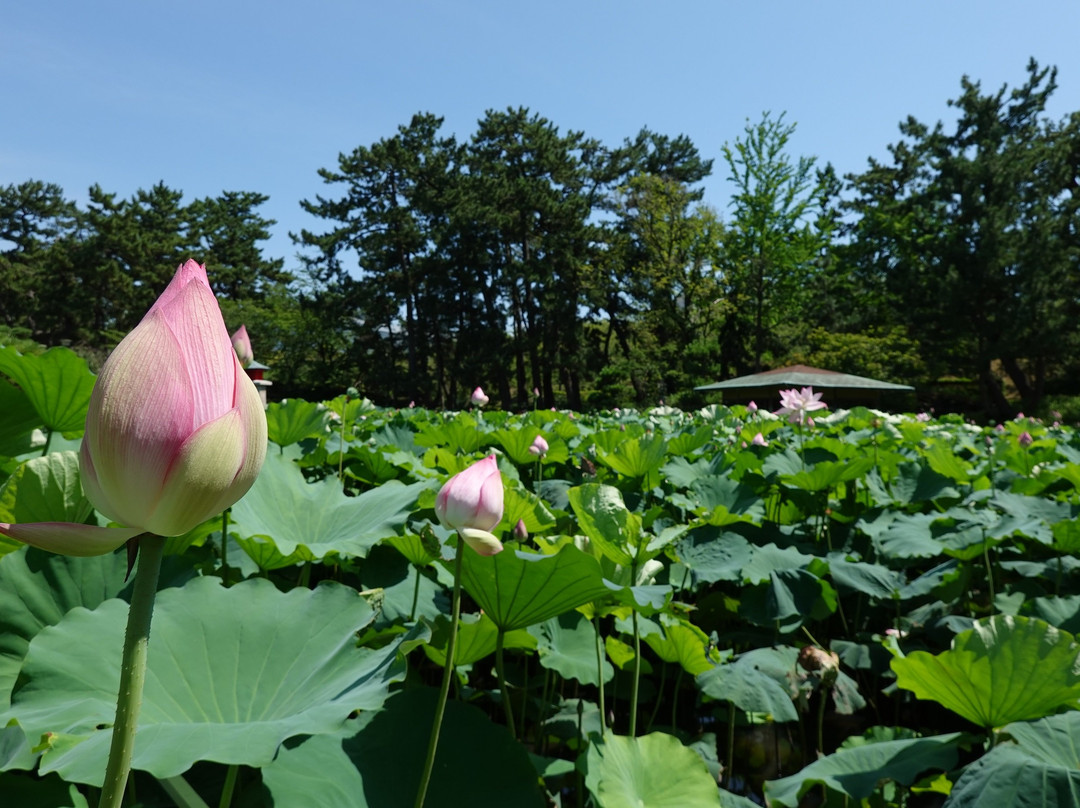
654,770
225,690
1004,669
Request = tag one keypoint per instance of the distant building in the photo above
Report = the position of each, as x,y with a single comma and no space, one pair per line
256,372
842,390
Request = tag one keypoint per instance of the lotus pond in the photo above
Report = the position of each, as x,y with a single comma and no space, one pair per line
876,610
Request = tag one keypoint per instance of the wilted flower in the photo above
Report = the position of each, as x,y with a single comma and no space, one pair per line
478,398
242,345
798,404
175,430
539,446
471,502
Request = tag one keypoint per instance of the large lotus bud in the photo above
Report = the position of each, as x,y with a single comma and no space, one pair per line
471,503
175,430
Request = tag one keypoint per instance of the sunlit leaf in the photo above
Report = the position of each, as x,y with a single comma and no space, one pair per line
517,589
58,384
285,509
1004,669
655,770
857,771
231,674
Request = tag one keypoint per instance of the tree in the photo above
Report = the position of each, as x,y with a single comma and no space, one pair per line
973,233
37,291
771,243
225,232
668,257
388,223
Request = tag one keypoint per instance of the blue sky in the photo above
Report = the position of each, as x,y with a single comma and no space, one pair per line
257,96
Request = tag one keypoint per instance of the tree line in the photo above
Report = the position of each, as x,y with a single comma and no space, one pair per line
552,268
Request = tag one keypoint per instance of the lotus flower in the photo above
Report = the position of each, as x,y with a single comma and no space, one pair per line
175,430
471,503
759,440
1025,439
539,446
242,345
478,398
798,404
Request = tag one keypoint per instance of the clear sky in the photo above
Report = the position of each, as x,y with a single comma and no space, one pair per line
257,96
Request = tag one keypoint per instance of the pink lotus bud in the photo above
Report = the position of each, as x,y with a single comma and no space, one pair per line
1025,439
539,445
471,503
752,407
175,430
242,345
521,533
759,440
478,397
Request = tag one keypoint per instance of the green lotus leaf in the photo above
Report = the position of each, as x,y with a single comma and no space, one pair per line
517,589
654,770
567,644
477,638
231,674
686,644
293,420
640,458
292,513
523,505
58,384
748,687
20,419
1002,670
603,517
37,589
857,771
44,489
713,554
477,762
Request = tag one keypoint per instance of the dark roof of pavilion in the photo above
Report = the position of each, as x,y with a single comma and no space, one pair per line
804,376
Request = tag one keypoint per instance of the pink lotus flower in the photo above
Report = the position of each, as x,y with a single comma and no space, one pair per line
478,398
1025,439
175,430
798,404
759,440
471,503
752,407
521,533
539,446
242,345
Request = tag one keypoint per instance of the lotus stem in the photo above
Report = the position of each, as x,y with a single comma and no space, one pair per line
508,709
600,678
132,669
415,595
225,546
229,787
637,676
448,673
